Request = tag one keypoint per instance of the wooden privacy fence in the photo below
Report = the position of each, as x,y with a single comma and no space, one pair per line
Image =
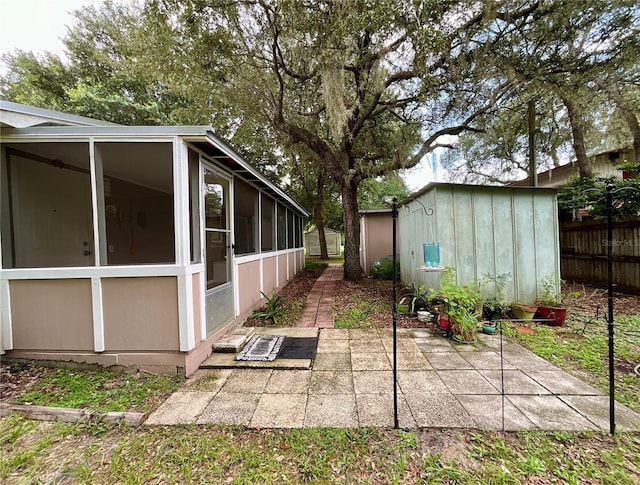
583,247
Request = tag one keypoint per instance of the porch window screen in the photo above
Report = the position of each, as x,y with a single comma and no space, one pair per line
46,206
282,227
291,229
268,224
298,231
138,203
245,218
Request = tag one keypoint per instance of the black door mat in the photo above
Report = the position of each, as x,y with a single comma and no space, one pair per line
298,348
261,348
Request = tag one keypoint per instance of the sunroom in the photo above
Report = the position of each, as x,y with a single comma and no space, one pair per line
133,246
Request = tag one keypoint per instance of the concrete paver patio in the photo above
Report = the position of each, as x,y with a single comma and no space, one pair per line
440,384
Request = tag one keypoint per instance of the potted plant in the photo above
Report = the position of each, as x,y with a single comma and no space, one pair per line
522,311
550,307
460,305
415,300
494,305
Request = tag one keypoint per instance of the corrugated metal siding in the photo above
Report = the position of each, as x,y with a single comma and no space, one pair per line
312,243
484,230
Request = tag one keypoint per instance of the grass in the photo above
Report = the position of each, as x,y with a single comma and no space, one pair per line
318,260
587,355
33,452
98,390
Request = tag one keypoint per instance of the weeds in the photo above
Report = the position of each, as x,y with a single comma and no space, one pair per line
36,452
98,390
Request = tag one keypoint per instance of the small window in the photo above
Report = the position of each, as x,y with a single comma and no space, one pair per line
268,223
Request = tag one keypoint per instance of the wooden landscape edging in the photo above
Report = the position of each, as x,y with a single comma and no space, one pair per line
71,415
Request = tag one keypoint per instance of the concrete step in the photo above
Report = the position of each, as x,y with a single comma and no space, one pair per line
234,340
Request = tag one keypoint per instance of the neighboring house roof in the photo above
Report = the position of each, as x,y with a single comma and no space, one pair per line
603,165
200,136
22,116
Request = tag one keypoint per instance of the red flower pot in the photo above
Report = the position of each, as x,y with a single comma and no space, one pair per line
555,316
445,321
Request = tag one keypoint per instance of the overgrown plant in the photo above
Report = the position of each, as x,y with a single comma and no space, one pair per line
460,303
273,309
383,269
416,299
494,305
551,291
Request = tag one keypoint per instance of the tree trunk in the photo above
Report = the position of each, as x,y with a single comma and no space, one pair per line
351,218
629,116
579,144
317,215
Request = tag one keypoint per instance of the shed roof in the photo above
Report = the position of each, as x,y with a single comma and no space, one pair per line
495,188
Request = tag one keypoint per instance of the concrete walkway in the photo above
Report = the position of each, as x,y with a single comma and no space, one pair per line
318,309
440,384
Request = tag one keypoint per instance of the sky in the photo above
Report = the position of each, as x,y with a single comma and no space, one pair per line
38,26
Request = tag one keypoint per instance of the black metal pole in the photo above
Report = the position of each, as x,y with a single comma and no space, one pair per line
394,217
612,410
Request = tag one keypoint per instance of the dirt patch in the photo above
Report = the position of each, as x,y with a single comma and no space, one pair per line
451,445
593,301
16,379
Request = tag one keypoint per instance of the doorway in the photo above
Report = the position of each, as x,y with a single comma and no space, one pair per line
219,306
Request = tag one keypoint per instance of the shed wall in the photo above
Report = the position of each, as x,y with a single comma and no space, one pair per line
312,242
482,231
376,231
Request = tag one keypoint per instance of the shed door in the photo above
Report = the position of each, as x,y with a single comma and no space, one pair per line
218,252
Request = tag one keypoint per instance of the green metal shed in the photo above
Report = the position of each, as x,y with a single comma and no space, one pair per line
312,242
480,230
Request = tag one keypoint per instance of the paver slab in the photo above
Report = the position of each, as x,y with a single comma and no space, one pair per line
280,411
486,410
248,381
550,413
411,361
447,360
288,381
208,380
333,346
486,360
361,346
373,382
377,410
467,381
334,411
421,382
438,410
230,408
515,382
181,408
335,361
596,410
560,382
331,382
366,361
